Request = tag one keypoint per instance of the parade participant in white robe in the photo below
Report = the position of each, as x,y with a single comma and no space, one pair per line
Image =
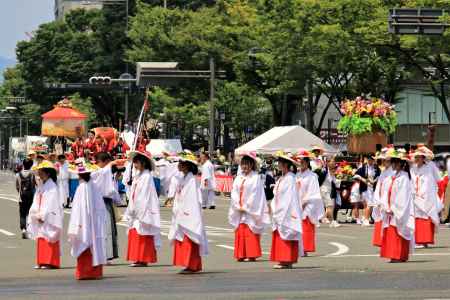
142,214
187,231
310,199
397,207
104,179
426,200
286,215
248,213
63,180
86,230
208,182
175,177
377,215
45,218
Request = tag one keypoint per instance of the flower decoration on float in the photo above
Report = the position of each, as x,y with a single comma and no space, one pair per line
363,115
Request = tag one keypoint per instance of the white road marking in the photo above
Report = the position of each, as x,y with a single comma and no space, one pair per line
232,248
342,249
6,232
8,198
377,255
337,235
226,247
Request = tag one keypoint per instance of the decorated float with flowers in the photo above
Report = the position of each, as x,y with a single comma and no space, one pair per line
367,122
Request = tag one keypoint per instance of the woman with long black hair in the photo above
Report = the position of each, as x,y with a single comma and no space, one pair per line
286,215
248,213
310,200
142,214
397,208
45,219
187,231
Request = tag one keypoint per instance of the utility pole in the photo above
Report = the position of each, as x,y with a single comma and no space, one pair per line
212,110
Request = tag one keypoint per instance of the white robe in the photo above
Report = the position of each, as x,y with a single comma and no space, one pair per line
378,193
286,209
401,205
255,213
174,181
63,182
187,216
426,199
46,206
87,223
104,180
309,196
208,176
142,212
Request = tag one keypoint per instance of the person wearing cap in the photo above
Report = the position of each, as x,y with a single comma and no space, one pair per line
248,212
187,231
377,216
45,218
86,231
286,215
397,208
310,200
142,214
104,179
426,201
208,182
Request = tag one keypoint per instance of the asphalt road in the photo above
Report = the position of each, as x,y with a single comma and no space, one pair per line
346,266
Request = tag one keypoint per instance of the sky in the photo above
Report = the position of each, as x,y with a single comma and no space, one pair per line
18,17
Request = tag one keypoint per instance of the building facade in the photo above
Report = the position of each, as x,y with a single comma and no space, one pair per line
62,7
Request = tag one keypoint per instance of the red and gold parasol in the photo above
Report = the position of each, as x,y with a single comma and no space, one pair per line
63,120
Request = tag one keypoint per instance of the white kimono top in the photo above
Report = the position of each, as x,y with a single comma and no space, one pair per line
248,195
87,223
208,176
47,207
187,216
426,199
309,196
378,193
286,209
142,212
397,197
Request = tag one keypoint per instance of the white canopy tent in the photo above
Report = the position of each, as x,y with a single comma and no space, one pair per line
287,138
157,146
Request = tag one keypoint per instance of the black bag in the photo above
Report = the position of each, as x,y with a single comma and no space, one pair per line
26,185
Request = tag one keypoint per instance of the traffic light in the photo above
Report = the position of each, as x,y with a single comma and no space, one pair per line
99,80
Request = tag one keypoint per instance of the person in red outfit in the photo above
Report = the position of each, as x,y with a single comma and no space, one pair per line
78,148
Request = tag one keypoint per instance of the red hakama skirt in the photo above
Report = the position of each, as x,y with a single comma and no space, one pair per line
48,254
141,248
309,236
85,269
283,251
424,231
246,243
377,238
394,246
187,254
